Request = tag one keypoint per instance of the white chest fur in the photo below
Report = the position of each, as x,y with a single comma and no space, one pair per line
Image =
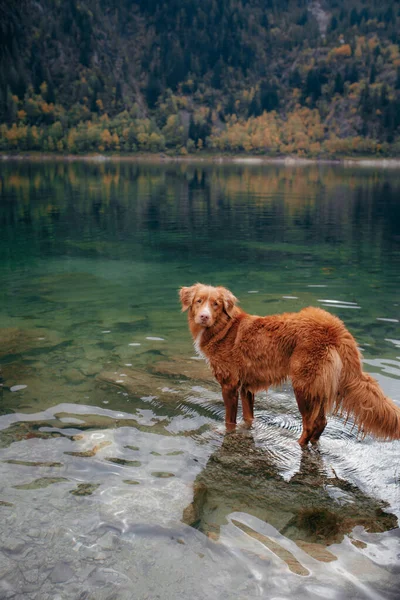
197,343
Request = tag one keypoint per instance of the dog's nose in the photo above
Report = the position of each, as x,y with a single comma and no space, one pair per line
204,318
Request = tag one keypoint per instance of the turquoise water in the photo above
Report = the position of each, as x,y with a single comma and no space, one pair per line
116,478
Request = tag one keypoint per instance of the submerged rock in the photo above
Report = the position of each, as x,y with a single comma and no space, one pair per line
85,489
15,341
240,477
40,483
91,452
161,377
143,383
181,367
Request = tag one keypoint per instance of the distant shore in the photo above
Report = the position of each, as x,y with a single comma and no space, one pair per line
204,158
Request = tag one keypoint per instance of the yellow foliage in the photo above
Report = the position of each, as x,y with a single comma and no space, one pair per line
360,44
15,134
115,140
44,88
343,51
301,132
46,108
71,140
106,138
182,102
143,139
156,142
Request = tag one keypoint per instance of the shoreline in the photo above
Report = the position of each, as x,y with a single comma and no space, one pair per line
211,159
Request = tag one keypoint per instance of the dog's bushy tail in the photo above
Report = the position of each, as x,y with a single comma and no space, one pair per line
361,397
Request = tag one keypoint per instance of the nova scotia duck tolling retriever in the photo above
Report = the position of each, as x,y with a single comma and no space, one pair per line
313,348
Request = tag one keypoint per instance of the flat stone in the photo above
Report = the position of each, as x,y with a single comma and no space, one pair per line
13,545
20,341
317,551
61,572
40,483
73,376
31,576
84,489
182,367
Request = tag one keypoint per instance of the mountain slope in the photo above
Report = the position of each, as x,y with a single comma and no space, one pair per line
115,74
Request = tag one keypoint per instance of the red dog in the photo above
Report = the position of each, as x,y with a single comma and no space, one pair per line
249,353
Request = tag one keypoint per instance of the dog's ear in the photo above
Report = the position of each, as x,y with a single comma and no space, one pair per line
229,301
186,295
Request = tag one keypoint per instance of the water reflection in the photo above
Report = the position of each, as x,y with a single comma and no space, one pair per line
304,205
310,507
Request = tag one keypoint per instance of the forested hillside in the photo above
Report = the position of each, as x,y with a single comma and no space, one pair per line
259,76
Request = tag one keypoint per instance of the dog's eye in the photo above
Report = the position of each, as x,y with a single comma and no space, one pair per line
199,301
216,304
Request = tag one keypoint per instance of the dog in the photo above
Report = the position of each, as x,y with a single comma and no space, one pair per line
313,348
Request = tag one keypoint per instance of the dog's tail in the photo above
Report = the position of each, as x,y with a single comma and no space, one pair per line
361,397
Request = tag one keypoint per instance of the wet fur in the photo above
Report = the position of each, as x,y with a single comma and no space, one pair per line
248,353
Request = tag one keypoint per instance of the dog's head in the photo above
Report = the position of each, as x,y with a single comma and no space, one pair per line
207,303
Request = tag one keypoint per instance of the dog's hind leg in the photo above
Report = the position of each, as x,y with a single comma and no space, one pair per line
315,373
230,394
306,408
247,399
319,425
313,415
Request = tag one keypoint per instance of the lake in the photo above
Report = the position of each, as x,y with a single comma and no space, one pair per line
117,478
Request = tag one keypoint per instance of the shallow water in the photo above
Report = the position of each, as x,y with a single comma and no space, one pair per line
116,478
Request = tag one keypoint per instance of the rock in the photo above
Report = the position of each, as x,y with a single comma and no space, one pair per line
13,545
139,383
91,452
124,462
276,548
40,483
31,463
73,376
317,551
20,341
61,573
85,489
162,380
182,367
31,576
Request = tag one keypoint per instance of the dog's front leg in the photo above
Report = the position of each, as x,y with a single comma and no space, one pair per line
230,394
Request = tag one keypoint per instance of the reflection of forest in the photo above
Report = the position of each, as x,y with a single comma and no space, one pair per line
298,205
311,506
